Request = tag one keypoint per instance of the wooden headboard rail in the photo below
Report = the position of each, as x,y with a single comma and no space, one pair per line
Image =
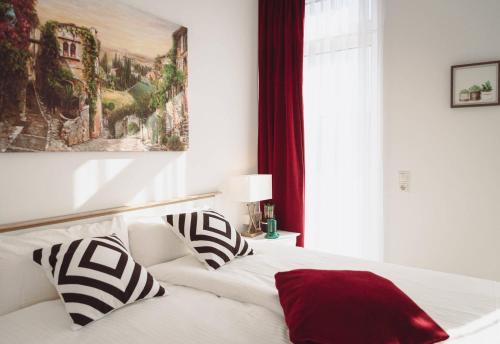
98,213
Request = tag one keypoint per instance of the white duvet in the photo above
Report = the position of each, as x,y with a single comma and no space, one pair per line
467,308
239,304
185,316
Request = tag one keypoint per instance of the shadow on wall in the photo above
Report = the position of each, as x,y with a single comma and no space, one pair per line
43,184
137,180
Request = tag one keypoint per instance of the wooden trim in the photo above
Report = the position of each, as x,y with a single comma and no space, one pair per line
98,213
452,103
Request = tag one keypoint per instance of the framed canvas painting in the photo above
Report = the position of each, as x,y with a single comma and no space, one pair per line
475,84
91,75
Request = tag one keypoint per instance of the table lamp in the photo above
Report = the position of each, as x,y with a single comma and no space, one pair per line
252,189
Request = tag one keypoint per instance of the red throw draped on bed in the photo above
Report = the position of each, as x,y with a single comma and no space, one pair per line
281,123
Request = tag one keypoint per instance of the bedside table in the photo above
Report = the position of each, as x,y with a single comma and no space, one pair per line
285,238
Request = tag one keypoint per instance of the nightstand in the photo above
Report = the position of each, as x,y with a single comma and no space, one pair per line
285,238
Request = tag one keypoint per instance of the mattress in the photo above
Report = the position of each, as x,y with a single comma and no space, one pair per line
467,308
186,315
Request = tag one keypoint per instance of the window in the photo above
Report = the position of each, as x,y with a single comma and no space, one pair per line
342,120
73,50
65,49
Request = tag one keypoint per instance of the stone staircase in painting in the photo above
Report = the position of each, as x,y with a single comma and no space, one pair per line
34,135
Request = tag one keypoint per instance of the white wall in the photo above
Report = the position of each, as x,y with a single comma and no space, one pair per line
450,219
223,128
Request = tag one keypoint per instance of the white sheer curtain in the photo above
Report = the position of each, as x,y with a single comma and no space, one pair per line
342,92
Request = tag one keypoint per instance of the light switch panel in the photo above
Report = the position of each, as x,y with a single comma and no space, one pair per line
404,181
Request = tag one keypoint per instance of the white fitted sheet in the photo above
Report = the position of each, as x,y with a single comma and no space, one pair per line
185,316
467,308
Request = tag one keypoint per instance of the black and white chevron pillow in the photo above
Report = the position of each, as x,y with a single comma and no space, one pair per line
210,236
95,276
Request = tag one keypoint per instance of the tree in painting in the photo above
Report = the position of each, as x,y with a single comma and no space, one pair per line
17,19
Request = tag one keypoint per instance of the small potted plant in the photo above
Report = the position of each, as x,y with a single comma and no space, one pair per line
487,91
464,95
475,92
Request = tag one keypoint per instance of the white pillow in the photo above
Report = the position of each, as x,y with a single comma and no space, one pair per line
22,282
152,242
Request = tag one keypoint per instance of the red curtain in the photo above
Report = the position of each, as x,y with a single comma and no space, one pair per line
281,122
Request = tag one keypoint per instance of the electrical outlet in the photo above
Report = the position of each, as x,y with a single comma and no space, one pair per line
404,181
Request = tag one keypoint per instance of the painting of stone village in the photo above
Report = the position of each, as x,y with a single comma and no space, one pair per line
91,75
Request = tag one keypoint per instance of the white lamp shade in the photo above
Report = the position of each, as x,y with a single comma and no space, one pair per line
252,188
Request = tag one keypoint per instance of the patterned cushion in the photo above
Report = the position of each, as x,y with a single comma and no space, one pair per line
95,276
210,236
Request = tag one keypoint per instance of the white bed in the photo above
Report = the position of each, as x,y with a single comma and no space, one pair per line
186,316
237,303
467,308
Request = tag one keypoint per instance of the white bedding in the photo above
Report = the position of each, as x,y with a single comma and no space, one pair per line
467,308
238,304
185,316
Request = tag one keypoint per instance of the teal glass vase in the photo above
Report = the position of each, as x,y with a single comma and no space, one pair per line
272,229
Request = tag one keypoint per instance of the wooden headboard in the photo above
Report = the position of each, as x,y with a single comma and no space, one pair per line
98,213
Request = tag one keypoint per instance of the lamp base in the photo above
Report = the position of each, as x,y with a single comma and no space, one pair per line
255,218
252,234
